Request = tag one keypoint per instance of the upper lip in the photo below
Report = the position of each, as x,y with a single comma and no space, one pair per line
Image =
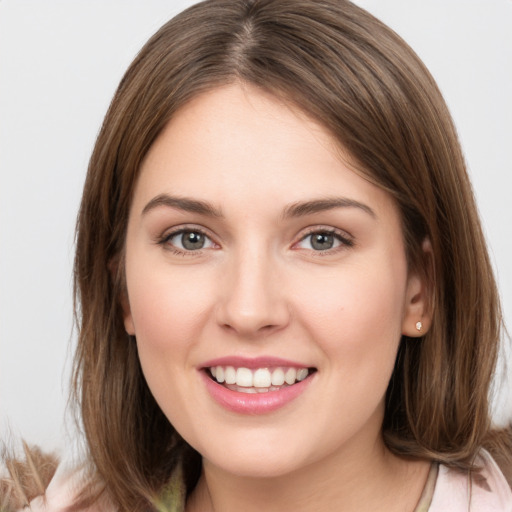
253,362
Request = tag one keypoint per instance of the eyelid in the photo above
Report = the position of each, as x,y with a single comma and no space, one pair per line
346,239
168,234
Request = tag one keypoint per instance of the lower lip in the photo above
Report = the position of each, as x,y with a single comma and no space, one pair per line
254,403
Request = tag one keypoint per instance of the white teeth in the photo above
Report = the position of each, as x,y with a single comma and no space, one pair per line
302,374
290,376
262,378
259,380
230,375
244,378
278,377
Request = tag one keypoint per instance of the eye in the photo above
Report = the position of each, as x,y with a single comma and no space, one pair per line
188,240
324,240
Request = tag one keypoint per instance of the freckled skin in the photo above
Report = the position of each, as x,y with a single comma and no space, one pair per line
259,288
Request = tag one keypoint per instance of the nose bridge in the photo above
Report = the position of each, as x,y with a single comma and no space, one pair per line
253,301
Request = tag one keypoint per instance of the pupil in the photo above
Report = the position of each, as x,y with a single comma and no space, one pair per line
322,241
192,240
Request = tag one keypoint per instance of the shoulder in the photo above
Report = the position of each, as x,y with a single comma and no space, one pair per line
62,492
484,491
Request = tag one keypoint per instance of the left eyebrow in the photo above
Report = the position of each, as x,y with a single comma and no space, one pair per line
300,209
183,203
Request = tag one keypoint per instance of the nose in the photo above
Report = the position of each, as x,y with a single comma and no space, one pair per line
253,301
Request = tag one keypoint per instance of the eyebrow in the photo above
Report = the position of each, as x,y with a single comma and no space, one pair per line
183,203
301,209
298,209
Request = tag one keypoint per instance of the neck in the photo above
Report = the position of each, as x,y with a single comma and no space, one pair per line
373,479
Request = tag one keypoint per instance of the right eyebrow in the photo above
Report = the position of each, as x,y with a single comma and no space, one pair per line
182,203
301,209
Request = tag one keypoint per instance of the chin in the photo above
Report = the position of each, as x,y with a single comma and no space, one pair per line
257,466
263,458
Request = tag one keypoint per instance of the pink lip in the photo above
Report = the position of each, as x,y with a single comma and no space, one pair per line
253,363
254,403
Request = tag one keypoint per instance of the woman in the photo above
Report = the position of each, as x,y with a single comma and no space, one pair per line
285,298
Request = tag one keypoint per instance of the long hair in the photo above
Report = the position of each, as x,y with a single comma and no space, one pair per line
363,83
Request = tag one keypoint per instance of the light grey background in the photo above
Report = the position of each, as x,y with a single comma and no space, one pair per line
60,62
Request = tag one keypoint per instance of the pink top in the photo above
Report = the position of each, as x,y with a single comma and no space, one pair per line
447,490
487,491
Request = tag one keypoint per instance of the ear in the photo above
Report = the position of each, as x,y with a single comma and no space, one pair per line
127,313
115,267
418,302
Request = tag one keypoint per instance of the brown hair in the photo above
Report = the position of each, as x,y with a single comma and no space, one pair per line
349,71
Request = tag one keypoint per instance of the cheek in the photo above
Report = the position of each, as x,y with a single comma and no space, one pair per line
356,312
168,313
357,325
167,307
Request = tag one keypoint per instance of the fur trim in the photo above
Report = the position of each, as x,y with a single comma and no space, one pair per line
25,479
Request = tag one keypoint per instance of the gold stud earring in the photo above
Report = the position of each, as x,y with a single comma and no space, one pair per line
419,326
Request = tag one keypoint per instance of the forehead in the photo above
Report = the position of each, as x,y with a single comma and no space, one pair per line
236,144
243,122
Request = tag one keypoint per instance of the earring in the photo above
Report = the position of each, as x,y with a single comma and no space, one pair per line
419,326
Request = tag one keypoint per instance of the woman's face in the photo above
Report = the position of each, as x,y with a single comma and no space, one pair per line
255,254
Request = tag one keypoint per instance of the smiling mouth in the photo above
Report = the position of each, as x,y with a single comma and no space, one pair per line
258,380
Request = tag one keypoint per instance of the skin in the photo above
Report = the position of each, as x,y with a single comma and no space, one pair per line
258,287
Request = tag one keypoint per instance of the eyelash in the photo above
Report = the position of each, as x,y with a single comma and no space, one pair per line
346,241
165,239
